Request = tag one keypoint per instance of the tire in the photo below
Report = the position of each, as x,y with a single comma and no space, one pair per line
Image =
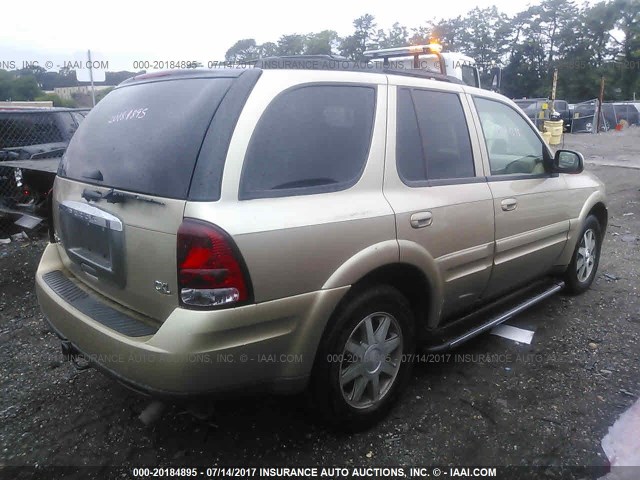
579,276
354,404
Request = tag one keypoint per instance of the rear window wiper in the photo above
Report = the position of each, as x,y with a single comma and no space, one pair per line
116,197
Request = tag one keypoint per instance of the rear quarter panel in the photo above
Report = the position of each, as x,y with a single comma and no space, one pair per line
296,244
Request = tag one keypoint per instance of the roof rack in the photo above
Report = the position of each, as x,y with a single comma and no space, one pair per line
335,62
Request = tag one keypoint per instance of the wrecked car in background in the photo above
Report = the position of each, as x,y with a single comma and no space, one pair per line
32,141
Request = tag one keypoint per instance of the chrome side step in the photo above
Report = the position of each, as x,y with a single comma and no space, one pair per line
495,321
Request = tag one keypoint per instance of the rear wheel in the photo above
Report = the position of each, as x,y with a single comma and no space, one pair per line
586,257
360,369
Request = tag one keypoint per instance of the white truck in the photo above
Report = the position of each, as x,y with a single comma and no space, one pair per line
431,58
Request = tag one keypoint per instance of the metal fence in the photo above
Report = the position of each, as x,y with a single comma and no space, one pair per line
584,118
30,136
620,113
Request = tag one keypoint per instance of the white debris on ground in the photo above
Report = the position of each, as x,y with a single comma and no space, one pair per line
622,445
16,237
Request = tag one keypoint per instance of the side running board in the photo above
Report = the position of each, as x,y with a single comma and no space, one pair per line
497,320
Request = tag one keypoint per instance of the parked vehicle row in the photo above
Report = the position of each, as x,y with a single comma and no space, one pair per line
580,117
539,111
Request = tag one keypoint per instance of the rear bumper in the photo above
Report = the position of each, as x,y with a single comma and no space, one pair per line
267,346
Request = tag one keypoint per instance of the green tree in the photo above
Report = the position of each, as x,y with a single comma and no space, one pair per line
268,49
24,88
291,44
322,43
242,51
628,48
449,34
554,17
526,71
362,39
582,42
585,53
57,100
484,35
420,35
34,71
5,85
396,36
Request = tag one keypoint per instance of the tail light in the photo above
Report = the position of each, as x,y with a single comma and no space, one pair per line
211,272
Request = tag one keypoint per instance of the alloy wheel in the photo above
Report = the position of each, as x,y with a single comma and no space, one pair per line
371,360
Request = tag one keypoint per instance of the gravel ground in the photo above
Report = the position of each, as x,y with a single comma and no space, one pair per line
490,402
618,149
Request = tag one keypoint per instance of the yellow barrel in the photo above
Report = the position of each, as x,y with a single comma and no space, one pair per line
555,129
546,136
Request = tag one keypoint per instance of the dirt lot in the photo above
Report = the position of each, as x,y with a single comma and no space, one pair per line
491,402
621,149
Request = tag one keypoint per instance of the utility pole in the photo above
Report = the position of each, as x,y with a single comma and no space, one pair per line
600,99
553,90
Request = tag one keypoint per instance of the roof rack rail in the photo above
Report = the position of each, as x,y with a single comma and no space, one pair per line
416,72
335,62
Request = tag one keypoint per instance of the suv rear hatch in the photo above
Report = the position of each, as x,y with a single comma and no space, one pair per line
123,183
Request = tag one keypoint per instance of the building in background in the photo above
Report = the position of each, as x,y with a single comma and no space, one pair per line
67,93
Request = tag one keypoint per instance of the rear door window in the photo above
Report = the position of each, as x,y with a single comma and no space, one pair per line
432,137
146,137
310,139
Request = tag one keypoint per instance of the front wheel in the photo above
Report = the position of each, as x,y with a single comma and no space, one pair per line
586,257
361,366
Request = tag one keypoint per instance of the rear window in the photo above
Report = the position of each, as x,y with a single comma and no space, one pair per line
312,139
146,137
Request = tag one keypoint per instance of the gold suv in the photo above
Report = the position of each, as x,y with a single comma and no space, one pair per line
292,228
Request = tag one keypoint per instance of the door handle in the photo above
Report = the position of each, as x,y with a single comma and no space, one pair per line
509,204
421,219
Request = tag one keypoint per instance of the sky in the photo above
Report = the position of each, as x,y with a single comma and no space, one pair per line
122,32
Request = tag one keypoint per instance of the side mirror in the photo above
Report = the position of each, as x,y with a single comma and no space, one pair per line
568,161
